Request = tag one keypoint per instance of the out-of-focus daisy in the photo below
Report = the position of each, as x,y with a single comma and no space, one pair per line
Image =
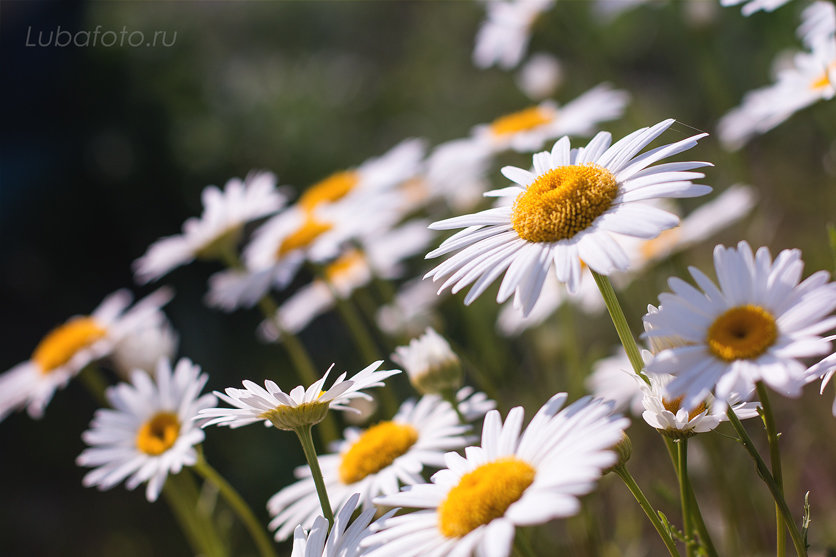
374,461
144,347
431,364
613,378
150,432
810,77
411,311
343,540
825,369
540,76
380,256
224,214
752,6
527,130
756,326
299,407
564,212
706,220
456,172
513,479
68,348
503,36
665,413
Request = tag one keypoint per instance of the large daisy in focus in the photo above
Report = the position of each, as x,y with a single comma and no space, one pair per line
224,214
566,211
300,407
755,327
68,348
150,431
513,479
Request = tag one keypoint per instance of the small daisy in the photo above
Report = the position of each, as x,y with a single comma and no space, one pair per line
343,540
564,212
456,171
810,77
375,461
825,370
431,364
513,479
613,378
146,346
752,6
412,310
224,214
150,432
540,76
528,130
68,348
297,408
665,413
755,327
503,36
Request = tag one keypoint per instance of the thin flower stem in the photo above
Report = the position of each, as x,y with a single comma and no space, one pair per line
620,322
200,533
450,396
682,472
306,439
766,476
772,436
634,488
522,545
256,531
92,378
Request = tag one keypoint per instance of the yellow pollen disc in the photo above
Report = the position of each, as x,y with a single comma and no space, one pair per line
303,236
344,264
62,343
484,495
742,333
158,434
523,120
674,405
376,449
333,188
563,202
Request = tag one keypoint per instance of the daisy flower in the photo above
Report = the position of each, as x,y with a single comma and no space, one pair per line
564,212
503,37
224,214
431,364
613,378
825,370
150,432
540,76
809,78
412,310
343,540
146,346
527,130
666,414
752,6
513,479
754,327
297,408
374,462
68,348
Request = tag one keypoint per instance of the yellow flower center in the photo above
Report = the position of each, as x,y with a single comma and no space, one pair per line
376,449
343,265
333,188
62,343
824,79
303,236
674,405
484,495
563,202
523,120
158,434
742,333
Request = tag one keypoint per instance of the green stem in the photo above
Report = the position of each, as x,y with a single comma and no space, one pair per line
634,488
257,533
306,439
199,532
522,545
91,377
772,436
766,476
682,472
450,396
620,322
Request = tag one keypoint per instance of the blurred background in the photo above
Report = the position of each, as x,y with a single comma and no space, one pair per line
106,149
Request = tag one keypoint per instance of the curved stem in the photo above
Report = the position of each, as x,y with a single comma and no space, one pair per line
772,436
766,476
201,536
620,322
92,378
682,472
306,439
256,531
634,488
